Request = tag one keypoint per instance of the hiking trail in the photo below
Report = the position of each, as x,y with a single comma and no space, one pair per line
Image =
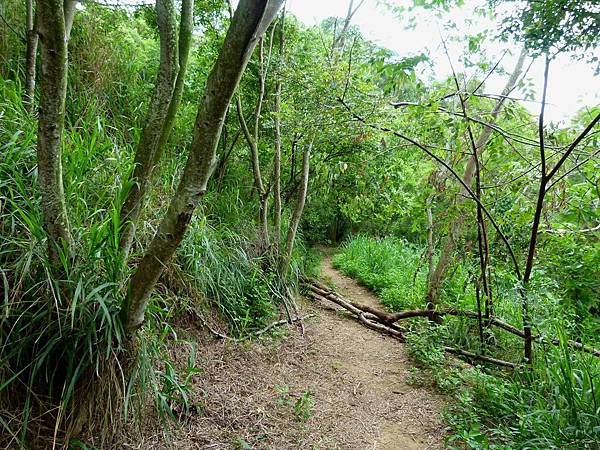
338,386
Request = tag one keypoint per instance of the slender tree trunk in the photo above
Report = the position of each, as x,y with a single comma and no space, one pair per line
222,169
263,212
53,89
154,127
263,195
297,215
227,151
277,155
537,217
30,57
484,252
293,158
449,244
186,28
254,157
340,39
253,139
546,177
249,22
430,263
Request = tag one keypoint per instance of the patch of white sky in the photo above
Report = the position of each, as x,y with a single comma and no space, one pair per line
571,84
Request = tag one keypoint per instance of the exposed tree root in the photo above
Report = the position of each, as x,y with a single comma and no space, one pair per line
269,327
283,322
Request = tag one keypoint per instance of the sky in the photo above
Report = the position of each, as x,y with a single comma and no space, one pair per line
571,84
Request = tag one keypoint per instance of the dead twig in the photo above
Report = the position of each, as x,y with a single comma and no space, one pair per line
487,359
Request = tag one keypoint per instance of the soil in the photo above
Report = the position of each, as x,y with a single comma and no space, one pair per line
338,385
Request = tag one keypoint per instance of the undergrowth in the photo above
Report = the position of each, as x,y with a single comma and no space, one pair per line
64,360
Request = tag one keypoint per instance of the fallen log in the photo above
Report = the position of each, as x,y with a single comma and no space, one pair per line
380,327
365,318
321,295
432,314
370,313
389,319
573,344
383,316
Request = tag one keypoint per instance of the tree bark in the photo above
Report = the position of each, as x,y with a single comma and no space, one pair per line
430,263
69,7
186,28
253,139
449,244
277,155
263,195
53,89
247,25
154,127
297,215
539,206
30,57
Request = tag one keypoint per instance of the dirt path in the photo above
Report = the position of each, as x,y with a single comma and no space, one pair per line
406,417
338,386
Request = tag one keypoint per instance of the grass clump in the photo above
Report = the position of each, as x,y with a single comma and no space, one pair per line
64,360
555,406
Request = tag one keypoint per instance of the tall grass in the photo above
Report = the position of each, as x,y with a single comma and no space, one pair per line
392,267
224,272
64,361
63,355
555,406
56,336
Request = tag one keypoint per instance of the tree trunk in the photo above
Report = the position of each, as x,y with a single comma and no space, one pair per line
277,154
227,151
69,7
30,57
537,217
247,25
449,245
263,195
253,139
297,215
430,264
186,28
155,122
53,89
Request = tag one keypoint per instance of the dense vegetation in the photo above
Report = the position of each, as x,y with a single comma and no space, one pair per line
179,160
556,407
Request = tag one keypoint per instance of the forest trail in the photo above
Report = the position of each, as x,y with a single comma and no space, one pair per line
338,386
404,416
